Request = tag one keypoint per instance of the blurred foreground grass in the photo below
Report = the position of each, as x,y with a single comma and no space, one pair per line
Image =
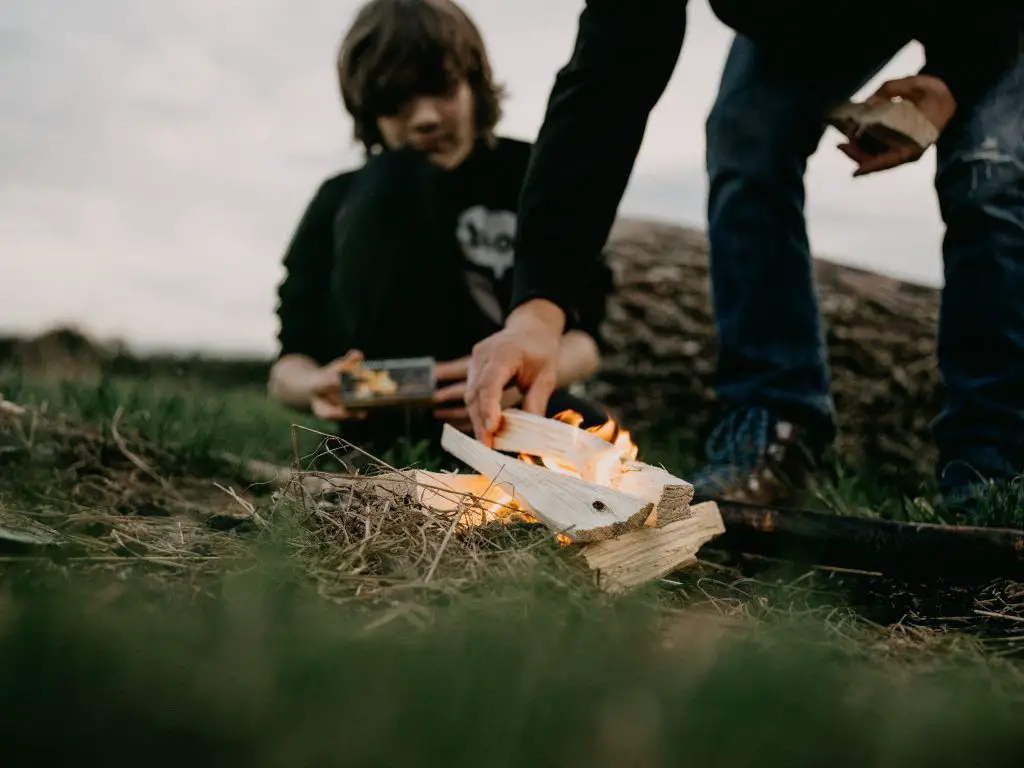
262,673
363,635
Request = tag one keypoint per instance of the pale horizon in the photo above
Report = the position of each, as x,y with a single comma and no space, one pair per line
155,159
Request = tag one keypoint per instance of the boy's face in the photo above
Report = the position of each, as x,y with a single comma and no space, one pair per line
442,126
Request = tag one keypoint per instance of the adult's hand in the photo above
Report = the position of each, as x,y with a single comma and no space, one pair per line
930,95
325,387
451,398
524,352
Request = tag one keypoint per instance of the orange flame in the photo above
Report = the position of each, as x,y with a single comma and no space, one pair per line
505,508
610,432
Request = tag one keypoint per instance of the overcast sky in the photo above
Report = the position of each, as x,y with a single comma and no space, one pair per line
155,157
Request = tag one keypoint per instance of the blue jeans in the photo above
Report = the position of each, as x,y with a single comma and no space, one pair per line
766,122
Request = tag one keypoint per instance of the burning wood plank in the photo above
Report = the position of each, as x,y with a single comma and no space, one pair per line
580,510
653,552
632,519
440,491
608,460
559,443
482,500
444,492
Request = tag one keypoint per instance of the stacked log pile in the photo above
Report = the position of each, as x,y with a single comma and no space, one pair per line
659,368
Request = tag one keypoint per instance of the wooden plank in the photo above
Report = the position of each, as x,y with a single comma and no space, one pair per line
440,491
890,547
446,492
653,552
671,495
8,408
522,432
597,460
580,510
897,123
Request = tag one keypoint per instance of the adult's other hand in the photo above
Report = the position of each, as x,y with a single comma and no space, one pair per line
928,94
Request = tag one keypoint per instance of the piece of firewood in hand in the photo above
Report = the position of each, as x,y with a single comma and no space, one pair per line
580,510
653,552
893,124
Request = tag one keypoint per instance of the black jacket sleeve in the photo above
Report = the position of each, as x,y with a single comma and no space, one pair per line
970,51
593,304
304,294
624,56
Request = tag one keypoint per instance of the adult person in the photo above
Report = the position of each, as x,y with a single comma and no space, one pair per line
790,61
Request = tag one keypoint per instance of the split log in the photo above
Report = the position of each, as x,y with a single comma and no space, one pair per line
575,508
447,492
660,347
894,123
7,408
671,495
440,491
885,546
522,432
653,552
596,460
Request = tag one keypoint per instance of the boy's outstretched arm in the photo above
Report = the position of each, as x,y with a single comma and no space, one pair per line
624,57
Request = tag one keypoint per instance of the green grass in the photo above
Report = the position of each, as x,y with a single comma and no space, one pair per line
265,674
195,417
198,419
364,636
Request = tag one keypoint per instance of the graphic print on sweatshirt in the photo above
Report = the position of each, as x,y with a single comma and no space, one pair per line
487,238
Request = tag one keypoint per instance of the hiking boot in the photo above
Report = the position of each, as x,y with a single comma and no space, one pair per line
756,458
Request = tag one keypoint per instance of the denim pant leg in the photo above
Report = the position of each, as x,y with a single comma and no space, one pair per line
768,118
980,185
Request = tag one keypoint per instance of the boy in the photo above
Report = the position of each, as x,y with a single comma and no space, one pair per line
791,61
413,253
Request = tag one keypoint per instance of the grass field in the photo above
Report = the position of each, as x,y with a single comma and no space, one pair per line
171,611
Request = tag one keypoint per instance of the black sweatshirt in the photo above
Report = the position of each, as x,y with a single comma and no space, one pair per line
624,56
402,258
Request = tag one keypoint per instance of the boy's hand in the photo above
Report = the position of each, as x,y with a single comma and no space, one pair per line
325,400
455,373
524,352
928,94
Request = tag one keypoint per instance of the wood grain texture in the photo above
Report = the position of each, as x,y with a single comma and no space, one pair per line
653,552
578,509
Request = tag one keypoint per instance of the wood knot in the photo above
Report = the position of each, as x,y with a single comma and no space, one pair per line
599,505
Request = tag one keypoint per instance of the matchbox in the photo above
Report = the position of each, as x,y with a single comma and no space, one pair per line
378,383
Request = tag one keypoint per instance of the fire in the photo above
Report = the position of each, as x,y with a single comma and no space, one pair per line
503,506
506,509
610,432
624,448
